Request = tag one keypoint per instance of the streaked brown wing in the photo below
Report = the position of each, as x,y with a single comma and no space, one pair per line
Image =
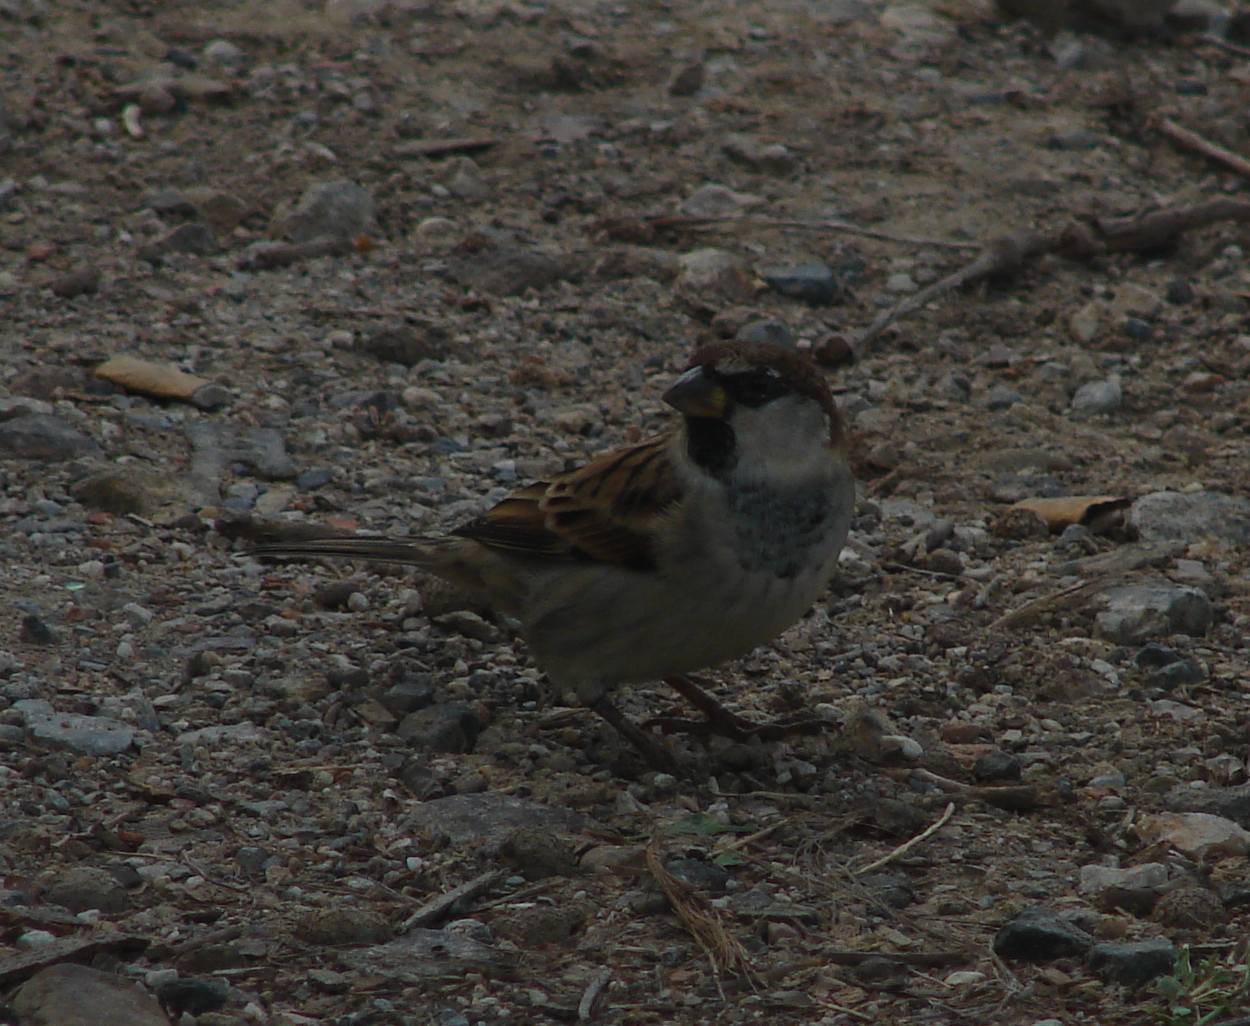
602,511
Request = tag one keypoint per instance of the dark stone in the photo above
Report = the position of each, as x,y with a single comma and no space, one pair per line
1134,964
193,996
812,283
701,875
450,728
1153,656
892,889
1179,292
81,281
411,692
311,480
1040,935
1178,674
997,766
406,344
36,631
537,854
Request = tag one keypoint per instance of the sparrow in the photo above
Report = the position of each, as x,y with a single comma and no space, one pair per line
663,558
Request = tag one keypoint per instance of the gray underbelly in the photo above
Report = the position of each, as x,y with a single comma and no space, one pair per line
615,632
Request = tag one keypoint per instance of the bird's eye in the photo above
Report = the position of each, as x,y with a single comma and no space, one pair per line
755,387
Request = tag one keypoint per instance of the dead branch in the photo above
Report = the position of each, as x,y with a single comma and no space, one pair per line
1213,40
1190,140
1154,232
1013,798
1082,240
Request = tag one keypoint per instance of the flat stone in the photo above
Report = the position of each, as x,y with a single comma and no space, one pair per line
90,735
1148,876
716,201
488,817
1196,834
1135,613
422,955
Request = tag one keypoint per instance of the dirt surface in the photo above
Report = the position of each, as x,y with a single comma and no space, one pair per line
240,785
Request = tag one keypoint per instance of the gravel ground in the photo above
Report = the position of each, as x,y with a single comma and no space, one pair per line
372,265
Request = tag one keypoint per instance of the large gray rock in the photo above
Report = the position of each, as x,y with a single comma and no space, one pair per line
1189,516
75,995
39,436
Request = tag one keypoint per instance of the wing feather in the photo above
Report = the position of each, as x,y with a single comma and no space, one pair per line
604,511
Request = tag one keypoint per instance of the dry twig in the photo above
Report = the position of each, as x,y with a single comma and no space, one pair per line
1001,258
907,846
588,1006
933,959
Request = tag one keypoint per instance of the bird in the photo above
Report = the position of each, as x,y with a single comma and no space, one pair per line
666,557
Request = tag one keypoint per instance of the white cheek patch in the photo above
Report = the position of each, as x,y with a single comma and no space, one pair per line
781,440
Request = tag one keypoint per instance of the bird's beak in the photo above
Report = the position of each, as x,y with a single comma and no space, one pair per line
696,394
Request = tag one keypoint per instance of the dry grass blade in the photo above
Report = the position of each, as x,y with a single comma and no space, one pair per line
1065,598
907,846
701,921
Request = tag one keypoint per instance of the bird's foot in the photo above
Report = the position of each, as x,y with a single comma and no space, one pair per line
654,752
724,722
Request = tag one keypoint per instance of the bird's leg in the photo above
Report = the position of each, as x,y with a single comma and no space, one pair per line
726,723
653,751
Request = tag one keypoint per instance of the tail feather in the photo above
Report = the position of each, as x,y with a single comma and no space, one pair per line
419,552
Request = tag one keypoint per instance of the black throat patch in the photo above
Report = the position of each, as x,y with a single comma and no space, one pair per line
711,444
